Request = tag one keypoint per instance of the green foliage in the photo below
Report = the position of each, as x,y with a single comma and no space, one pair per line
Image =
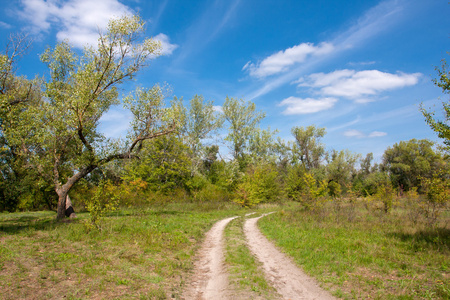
294,182
243,119
60,134
441,127
302,186
258,185
308,149
200,122
104,200
18,183
341,167
407,161
164,164
385,194
371,182
334,189
225,175
314,192
437,192
210,193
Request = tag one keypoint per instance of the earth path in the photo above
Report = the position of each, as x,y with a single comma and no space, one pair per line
210,280
289,281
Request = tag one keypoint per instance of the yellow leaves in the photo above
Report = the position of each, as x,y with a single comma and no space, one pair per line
138,184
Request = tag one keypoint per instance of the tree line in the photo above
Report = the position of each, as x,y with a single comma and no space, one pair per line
50,144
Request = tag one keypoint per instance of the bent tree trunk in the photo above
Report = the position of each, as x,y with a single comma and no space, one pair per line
62,195
63,190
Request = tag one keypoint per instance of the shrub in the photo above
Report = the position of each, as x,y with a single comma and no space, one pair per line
103,201
437,192
258,185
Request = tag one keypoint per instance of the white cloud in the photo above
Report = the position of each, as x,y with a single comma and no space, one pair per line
379,18
167,47
76,20
377,134
79,21
282,60
353,133
115,122
358,85
299,106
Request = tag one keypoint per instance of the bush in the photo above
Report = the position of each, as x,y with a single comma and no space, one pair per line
437,196
305,188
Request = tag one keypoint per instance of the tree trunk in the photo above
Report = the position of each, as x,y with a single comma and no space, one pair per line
62,195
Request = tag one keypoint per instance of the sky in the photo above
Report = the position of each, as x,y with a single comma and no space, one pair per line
358,68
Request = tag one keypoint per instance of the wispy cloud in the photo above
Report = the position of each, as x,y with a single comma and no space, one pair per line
353,133
211,22
5,25
115,122
357,85
298,106
78,21
282,60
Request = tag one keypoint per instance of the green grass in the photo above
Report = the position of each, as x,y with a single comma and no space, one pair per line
246,274
138,254
148,253
374,256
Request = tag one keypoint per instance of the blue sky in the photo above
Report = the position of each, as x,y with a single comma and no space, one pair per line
358,68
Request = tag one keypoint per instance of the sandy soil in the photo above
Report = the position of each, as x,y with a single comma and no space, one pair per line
210,279
289,281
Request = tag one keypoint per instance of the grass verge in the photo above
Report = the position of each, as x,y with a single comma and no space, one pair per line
138,254
374,256
246,274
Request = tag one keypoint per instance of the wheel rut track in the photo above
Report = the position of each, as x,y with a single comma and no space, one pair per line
289,280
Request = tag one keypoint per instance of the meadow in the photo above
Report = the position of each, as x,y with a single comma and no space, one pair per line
148,252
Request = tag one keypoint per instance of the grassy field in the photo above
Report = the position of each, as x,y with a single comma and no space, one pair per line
139,254
370,255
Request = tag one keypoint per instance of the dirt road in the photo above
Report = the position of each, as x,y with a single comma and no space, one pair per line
210,280
289,281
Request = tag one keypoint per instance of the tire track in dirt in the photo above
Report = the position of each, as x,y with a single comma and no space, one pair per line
285,276
210,279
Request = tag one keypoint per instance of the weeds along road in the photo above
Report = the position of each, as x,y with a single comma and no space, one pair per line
210,278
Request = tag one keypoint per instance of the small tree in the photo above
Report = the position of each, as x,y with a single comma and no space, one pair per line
308,149
243,119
